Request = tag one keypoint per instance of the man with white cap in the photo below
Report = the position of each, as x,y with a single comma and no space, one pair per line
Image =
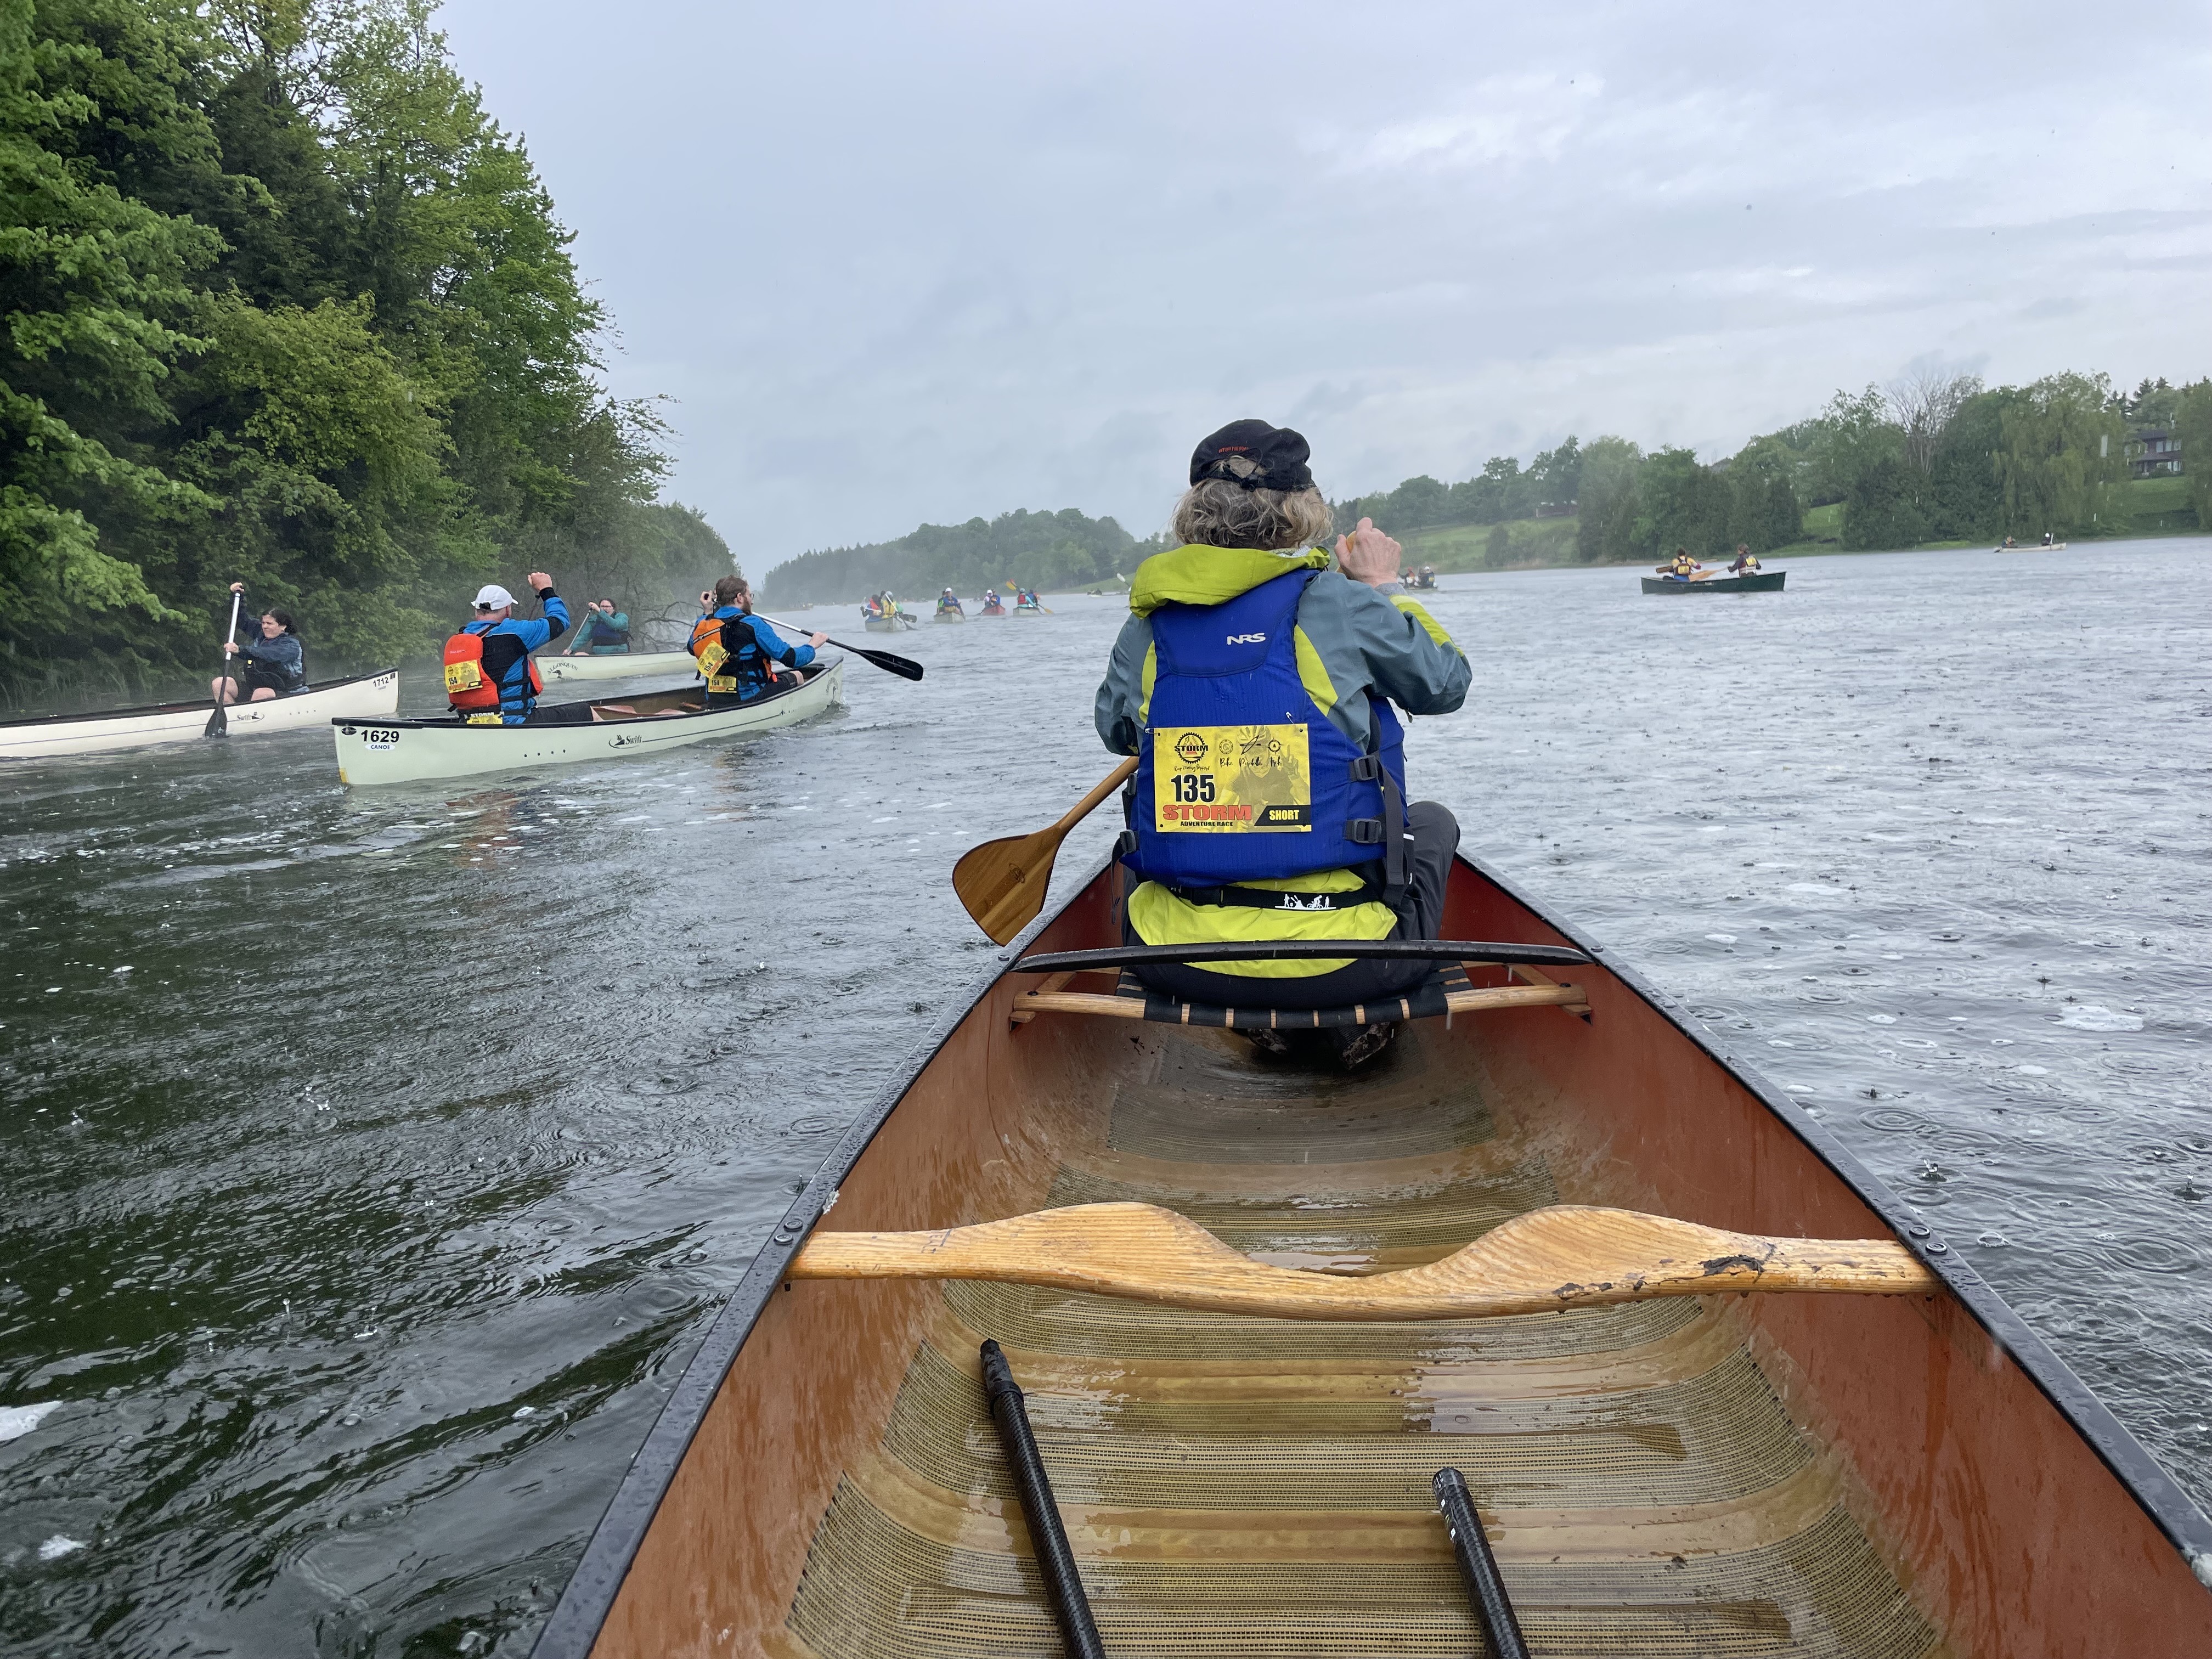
489,677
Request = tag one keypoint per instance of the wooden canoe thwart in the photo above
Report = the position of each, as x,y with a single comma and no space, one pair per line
1567,1255
1201,1388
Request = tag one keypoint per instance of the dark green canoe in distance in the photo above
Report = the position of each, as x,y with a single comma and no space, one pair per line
1766,581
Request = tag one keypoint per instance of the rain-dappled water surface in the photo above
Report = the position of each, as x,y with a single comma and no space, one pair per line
370,1160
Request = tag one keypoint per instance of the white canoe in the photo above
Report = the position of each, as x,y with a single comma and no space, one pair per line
180,722
373,752
948,617
554,666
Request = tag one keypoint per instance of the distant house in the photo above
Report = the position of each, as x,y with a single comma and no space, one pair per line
2153,452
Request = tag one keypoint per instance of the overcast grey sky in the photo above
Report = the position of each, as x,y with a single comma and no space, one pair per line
899,263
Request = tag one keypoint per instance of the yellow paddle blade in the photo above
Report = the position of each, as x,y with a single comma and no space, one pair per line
1568,1255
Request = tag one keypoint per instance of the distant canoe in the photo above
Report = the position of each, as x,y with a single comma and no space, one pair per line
620,665
1028,610
897,623
949,617
178,722
1766,581
2030,547
376,751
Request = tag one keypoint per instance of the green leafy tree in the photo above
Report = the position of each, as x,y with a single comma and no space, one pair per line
1966,496
1609,502
99,301
1884,506
1684,505
1843,440
2061,457
2193,426
285,305
1555,476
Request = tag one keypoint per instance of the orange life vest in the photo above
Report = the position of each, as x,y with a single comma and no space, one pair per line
717,667
470,689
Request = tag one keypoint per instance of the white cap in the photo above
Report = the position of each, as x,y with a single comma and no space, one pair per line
492,597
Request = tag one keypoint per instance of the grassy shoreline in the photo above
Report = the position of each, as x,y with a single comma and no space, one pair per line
1549,543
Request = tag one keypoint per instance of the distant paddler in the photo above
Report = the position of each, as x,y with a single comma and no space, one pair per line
275,665
1746,559
604,631
1682,567
1254,684
948,601
992,605
491,679
738,652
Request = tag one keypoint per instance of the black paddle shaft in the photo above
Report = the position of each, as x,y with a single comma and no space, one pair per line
890,661
1047,1538
1492,1604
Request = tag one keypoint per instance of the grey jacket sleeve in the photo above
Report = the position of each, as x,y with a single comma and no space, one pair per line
1413,661
1122,694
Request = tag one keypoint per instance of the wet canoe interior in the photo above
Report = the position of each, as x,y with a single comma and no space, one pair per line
1802,1475
1260,1486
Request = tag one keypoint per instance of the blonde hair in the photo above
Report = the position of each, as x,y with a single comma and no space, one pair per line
1219,513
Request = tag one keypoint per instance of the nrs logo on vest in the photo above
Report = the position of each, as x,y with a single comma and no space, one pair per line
1248,638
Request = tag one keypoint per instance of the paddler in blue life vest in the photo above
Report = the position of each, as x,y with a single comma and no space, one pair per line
1253,684
738,652
604,631
489,678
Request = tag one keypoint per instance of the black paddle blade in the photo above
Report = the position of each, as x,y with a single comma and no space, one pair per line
890,661
218,723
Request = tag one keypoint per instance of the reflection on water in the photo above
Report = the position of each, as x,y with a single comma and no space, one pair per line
369,1160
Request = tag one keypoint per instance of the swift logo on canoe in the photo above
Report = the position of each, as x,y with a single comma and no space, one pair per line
1248,638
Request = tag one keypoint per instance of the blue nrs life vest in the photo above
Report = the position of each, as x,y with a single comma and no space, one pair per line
1240,775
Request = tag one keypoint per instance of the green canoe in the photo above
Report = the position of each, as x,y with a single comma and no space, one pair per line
1766,581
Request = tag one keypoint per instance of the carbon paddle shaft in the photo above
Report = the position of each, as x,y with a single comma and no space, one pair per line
1491,1605
1047,1538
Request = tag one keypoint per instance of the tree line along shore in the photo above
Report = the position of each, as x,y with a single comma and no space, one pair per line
1932,460
285,305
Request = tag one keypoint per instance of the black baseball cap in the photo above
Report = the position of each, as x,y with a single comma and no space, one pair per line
1279,453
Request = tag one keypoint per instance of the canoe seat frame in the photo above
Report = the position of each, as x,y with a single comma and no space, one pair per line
1446,992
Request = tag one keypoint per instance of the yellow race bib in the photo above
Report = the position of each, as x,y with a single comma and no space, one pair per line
1233,779
463,677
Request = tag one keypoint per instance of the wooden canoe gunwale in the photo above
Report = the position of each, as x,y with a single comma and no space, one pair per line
592,1589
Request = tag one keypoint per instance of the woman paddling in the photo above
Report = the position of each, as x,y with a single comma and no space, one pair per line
273,665
1254,684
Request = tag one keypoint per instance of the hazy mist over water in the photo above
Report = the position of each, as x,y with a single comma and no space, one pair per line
370,1160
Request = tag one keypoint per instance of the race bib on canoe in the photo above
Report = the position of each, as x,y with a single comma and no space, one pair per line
1231,779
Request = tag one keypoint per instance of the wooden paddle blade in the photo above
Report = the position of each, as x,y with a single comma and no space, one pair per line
1568,1255
1002,883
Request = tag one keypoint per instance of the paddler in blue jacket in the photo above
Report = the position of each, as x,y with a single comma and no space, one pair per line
739,653
507,641
1253,684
